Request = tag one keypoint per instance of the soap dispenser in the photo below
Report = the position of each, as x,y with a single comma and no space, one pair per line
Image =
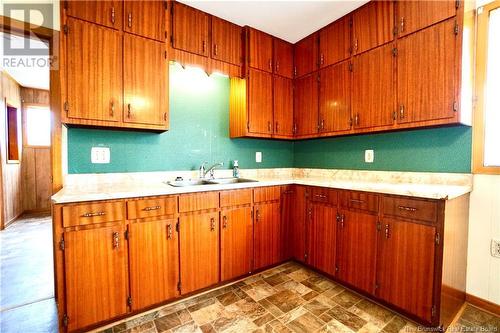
236,169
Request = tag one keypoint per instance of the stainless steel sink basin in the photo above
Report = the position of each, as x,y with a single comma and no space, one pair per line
191,182
231,180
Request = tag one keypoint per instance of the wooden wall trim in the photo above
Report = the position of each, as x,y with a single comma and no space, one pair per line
483,304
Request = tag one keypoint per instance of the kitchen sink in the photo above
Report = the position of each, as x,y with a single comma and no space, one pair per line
216,181
231,180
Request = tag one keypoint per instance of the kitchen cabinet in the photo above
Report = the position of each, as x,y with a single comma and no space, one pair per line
426,76
335,42
321,252
267,227
145,18
335,98
260,102
415,15
107,13
294,208
283,58
226,41
189,29
306,105
305,55
372,25
96,277
283,106
259,50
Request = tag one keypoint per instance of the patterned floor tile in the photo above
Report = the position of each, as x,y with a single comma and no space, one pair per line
347,318
306,323
259,290
294,286
285,300
347,299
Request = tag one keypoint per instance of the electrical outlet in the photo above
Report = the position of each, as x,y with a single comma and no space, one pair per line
495,248
369,156
100,155
258,157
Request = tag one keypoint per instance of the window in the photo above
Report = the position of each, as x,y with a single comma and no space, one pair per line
37,126
487,114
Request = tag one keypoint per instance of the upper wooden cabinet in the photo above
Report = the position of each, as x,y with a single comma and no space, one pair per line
189,29
305,106
107,13
145,81
305,55
283,106
145,18
260,102
372,25
226,41
259,50
283,58
335,42
413,15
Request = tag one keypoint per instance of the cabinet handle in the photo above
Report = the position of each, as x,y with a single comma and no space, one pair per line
402,24
130,20
112,108
212,224
322,59
269,126
93,214
129,110
169,231
215,49
116,240
387,231
342,220
356,45
295,128
148,209
408,209
224,222
356,119
113,15
257,215
321,196
277,66
204,46
357,201
322,124
401,111
165,116
277,127
270,64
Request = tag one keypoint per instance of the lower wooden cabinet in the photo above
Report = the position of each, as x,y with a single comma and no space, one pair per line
293,222
322,237
267,240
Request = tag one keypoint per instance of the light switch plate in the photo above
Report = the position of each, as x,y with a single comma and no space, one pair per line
100,155
258,157
369,156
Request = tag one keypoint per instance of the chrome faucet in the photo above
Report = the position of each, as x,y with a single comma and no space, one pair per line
210,171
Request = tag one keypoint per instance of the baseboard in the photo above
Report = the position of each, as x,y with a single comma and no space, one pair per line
483,304
9,222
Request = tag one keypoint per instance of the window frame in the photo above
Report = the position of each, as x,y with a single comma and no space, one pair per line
478,128
26,106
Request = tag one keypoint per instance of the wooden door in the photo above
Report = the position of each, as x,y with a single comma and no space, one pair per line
226,41
145,18
426,75
305,107
260,50
335,98
283,58
294,220
356,249
267,242
236,242
322,238
199,250
405,267
154,262
260,102
305,55
415,15
283,106
189,29
145,81
373,25
373,88
95,262
94,72
107,13
335,42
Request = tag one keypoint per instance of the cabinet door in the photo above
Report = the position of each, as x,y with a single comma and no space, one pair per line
95,262
413,15
108,13
154,262
236,242
373,25
322,238
94,72
405,268
226,41
260,50
356,249
335,42
305,107
267,240
260,102
189,29
305,55
283,106
145,81
335,98
199,251
283,58
426,75
145,18
294,220
373,104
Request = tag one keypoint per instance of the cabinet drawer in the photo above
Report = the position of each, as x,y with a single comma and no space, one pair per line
91,213
198,201
235,198
360,200
263,194
410,208
138,209
324,195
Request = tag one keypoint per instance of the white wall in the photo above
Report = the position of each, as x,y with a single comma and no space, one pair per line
483,270
34,19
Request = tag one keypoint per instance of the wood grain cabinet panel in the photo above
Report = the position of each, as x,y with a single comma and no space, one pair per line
145,18
294,206
260,50
413,15
144,208
198,201
235,198
283,106
236,242
305,106
145,81
199,251
324,195
94,74
322,237
92,213
426,76
267,240
335,98
265,194
373,25
107,13
283,58
373,97
335,42
363,201
226,41
260,102
154,262
410,208
305,55
190,29
95,262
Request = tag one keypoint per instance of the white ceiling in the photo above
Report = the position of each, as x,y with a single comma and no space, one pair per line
287,19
